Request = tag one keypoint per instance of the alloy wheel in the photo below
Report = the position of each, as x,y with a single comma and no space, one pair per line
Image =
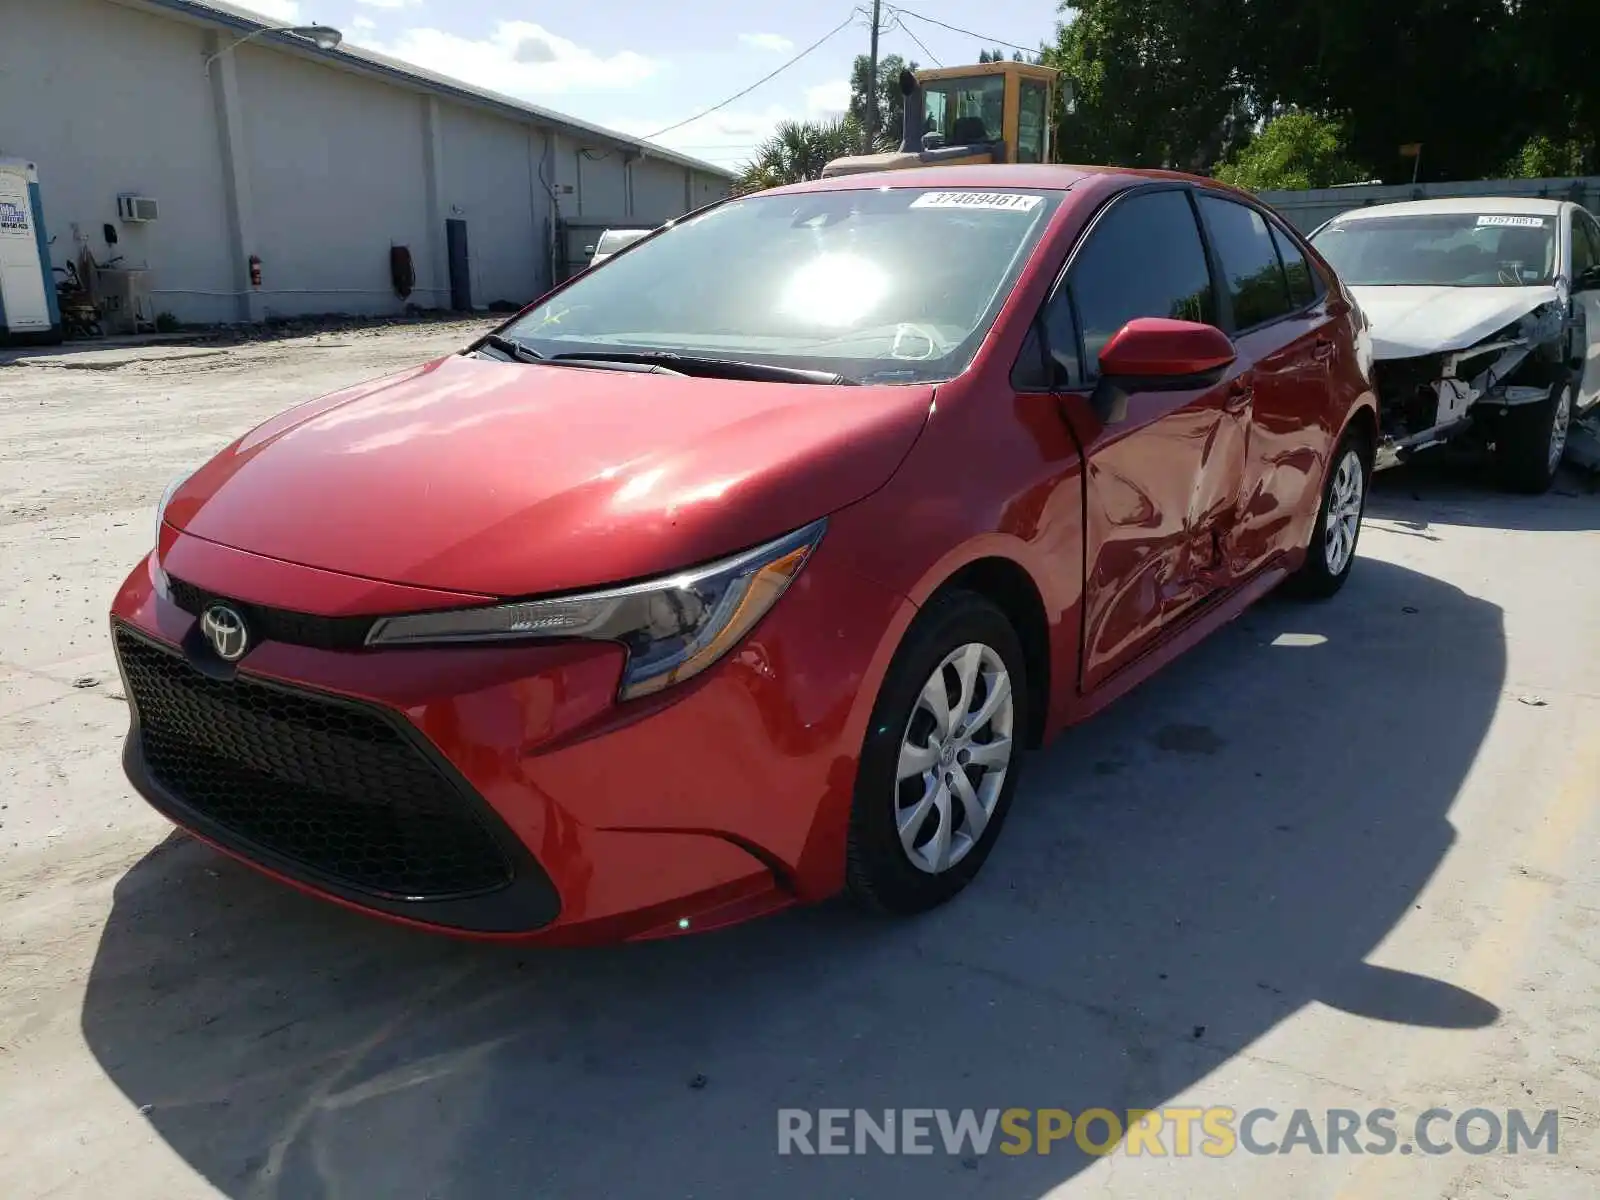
1344,512
1559,424
954,756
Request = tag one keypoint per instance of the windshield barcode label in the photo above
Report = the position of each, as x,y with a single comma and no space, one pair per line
1515,222
993,201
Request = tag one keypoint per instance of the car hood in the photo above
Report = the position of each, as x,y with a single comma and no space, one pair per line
505,479
1410,321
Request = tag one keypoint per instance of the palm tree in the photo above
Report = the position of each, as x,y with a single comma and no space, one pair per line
798,150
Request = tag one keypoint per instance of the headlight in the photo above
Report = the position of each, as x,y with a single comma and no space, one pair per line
166,498
158,576
672,628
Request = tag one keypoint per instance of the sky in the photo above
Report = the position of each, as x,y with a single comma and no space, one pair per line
639,67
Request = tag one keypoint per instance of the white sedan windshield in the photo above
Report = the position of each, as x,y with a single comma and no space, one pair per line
1457,249
879,285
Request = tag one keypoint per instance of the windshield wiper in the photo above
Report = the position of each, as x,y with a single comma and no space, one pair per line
510,347
714,368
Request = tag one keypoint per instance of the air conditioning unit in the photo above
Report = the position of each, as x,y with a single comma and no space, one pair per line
136,208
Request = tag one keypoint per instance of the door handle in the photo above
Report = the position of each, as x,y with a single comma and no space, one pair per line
1322,350
1238,397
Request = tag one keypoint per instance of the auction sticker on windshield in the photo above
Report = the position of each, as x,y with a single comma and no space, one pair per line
993,201
1514,222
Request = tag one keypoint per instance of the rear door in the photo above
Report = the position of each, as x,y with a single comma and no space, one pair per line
1274,309
1155,481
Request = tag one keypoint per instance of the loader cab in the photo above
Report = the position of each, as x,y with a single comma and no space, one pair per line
986,113
1005,104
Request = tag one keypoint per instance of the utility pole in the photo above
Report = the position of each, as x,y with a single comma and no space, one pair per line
872,85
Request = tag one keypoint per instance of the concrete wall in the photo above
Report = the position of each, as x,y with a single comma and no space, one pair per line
660,187
108,100
337,168
315,168
491,181
1306,210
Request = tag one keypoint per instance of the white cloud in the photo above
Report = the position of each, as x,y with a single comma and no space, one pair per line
767,41
390,3
363,24
729,138
520,59
285,12
828,99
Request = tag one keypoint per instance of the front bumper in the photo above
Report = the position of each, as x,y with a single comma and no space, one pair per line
558,814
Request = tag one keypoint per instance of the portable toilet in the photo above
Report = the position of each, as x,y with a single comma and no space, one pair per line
28,308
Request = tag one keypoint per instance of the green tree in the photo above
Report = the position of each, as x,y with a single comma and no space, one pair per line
1297,150
1471,80
797,151
998,55
1542,157
891,104
1156,83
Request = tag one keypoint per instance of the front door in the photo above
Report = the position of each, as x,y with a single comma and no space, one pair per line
1586,253
1162,482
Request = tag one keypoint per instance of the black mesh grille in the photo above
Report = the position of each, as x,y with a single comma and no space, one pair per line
322,783
278,624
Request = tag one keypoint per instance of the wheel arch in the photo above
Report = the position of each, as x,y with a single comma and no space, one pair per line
1011,588
1363,420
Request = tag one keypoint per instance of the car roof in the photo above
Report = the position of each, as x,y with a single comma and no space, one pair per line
1530,205
1044,176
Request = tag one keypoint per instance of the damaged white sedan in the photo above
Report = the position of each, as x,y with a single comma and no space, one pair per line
1484,317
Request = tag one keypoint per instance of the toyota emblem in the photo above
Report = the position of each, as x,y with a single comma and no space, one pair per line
224,628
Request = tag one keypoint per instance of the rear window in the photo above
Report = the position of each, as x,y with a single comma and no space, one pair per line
613,240
1243,242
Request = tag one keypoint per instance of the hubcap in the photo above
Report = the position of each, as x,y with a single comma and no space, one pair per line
954,757
1344,512
1558,427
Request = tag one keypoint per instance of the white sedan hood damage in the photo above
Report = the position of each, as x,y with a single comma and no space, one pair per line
1412,321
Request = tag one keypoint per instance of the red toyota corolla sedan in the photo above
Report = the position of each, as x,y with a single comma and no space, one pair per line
742,569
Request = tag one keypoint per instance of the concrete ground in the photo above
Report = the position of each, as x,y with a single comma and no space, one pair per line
1342,856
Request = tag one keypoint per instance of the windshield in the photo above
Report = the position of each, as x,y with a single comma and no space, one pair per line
613,240
888,285
965,111
1459,249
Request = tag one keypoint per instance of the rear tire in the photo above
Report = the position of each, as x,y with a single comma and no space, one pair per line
939,765
1332,552
1532,439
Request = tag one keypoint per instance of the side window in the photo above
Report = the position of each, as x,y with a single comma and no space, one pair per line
1584,251
1250,265
1302,280
1144,258
1031,373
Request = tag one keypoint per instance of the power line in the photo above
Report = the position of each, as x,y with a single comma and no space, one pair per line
968,32
737,95
901,26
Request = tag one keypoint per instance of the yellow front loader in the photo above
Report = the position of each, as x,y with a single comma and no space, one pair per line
986,113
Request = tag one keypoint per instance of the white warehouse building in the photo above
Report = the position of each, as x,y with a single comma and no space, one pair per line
285,176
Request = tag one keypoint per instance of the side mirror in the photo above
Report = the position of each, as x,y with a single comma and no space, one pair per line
1155,354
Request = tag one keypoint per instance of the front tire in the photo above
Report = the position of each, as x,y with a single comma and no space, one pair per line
1533,438
1332,552
939,765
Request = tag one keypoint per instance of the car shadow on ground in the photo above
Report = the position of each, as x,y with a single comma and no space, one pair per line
1218,850
1446,488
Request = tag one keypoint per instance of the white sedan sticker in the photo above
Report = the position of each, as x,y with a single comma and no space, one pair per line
1514,222
993,201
